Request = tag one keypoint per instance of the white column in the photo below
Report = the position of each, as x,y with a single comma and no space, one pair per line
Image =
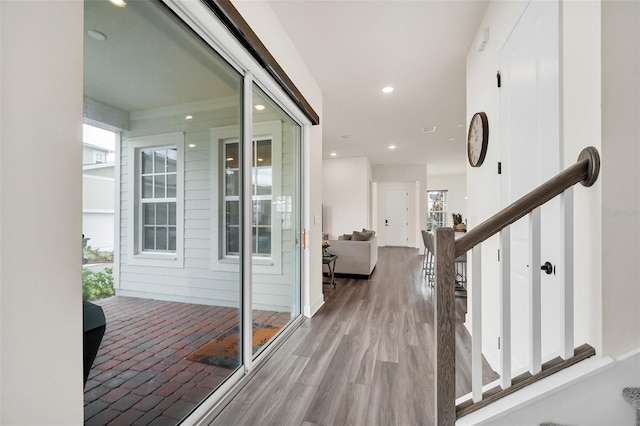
505,308
567,271
534,293
476,323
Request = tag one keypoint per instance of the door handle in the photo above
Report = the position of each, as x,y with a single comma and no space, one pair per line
386,222
547,268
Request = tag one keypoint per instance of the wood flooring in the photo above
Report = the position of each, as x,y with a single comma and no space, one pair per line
366,358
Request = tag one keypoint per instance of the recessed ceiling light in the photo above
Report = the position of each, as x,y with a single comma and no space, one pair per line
119,3
188,117
392,147
260,159
333,154
97,35
387,89
259,107
451,139
460,125
230,159
192,145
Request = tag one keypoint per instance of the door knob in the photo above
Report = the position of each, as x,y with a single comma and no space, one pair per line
547,267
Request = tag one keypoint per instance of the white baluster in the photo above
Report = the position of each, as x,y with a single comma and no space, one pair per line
567,273
535,325
476,323
505,308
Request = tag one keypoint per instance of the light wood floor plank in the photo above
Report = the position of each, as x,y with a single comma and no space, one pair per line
354,406
383,402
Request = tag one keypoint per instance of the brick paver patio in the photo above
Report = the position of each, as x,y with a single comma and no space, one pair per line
140,375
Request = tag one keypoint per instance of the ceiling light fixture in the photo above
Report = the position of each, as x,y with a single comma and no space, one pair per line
392,147
451,139
259,107
429,129
188,117
97,35
260,159
230,159
119,3
192,145
460,125
333,154
387,89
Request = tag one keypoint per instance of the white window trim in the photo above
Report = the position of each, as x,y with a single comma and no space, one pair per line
135,255
261,265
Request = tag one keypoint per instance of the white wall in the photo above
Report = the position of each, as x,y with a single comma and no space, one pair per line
345,196
40,213
620,176
267,27
456,186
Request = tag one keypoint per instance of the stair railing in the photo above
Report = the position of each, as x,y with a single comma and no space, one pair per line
585,171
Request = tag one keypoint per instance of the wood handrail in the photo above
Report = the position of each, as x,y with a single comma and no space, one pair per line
585,171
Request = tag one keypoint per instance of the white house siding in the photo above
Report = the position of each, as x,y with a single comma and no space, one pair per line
198,281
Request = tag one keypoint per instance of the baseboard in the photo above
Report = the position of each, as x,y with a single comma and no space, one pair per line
310,311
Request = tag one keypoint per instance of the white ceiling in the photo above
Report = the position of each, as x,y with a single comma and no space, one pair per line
354,48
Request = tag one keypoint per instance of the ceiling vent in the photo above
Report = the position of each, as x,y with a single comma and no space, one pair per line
429,129
345,137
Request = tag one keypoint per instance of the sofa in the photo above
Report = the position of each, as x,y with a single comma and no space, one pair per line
355,257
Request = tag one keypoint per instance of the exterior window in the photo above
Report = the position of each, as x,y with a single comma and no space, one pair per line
436,209
155,175
158,180
261,195
98,157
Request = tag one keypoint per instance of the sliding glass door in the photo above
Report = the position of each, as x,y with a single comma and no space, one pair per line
196,201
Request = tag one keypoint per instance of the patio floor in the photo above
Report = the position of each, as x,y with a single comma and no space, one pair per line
140,375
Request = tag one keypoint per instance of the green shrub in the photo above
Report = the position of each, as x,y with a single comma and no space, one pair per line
97,285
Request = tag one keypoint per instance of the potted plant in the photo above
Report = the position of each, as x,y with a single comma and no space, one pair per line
458,224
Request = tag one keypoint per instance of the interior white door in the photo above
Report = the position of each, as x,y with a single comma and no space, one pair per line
530,152
396,220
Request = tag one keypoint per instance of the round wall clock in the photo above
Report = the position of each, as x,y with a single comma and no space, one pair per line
478,139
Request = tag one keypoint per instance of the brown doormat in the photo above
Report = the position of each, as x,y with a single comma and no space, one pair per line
224,350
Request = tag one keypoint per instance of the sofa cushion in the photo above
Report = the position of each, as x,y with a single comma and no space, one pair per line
361,236
345,237
369,230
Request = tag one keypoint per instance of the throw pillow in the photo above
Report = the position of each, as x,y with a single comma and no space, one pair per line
361,236
373,233
345,237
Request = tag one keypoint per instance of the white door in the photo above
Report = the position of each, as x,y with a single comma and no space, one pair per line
396,219
530,152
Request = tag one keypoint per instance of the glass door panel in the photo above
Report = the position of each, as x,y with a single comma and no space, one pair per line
275,220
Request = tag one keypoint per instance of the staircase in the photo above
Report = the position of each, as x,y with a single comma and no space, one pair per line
447,249
632,395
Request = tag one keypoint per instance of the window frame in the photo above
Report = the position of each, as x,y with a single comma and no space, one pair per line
271,130
441,213
135,147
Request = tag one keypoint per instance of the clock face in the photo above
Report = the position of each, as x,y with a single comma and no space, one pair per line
478,139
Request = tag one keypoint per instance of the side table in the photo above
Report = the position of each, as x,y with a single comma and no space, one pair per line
330,261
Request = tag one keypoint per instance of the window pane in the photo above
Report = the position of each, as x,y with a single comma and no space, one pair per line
262,212
231,155
172,239
172,214
264,241
147,186
171,186
162,212
147,162
172,160
161,238
149,239
233,182
254,240
233,212
263,181
160,155
149,214
159,187
233,240
264,153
